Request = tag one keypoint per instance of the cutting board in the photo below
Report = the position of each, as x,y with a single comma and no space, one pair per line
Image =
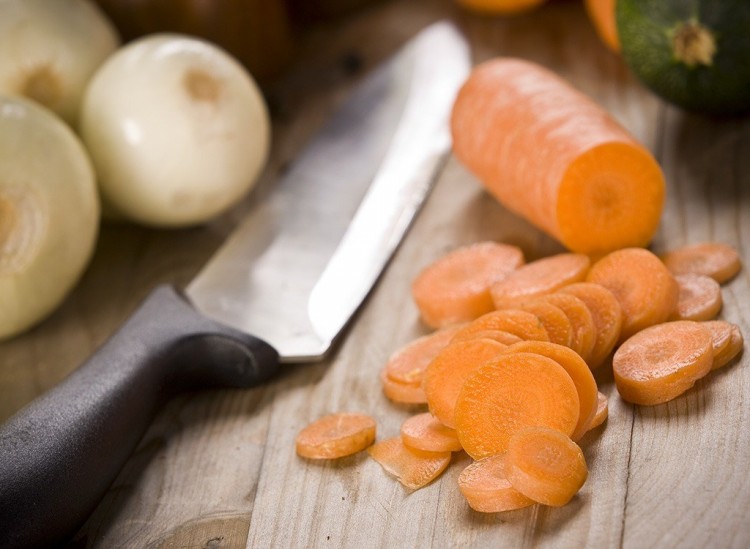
218,469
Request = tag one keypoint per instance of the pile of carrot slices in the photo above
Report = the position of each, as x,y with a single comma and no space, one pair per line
506,375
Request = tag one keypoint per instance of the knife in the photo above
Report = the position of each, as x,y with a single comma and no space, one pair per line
292,274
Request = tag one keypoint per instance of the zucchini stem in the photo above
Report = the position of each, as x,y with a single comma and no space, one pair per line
693,44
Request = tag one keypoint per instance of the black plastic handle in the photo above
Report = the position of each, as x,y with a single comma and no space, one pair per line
60,453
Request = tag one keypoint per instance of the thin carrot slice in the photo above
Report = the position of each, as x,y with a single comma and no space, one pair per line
553,156
336,435
403,393
446,374
602,411
699,298
513,391
581,319
539,277
520,323
554,320
607,316
719,261
545,465
456,287
646,290
501,336
662,362
413,468
727,341
578,371
408,364
425,432
485,486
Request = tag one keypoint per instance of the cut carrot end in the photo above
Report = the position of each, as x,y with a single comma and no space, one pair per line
425,432
719,261
486,488
336,435
699,298
413,468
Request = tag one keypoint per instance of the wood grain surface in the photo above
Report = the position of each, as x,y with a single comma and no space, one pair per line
218,469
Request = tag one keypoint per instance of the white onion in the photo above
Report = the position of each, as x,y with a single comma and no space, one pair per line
50,48
177,129
49,213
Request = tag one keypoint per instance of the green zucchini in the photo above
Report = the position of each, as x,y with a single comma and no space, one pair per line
693,53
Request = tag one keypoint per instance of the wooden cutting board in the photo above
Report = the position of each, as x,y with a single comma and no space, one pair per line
218,469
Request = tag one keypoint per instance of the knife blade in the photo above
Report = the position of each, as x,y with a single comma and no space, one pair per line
292,274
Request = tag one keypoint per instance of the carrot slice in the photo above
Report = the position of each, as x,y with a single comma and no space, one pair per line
403,393
719,261
485,486
446,374
663,361
520,323
545,465
578,371
602,411
555,321
727,341
336,435
539,277
456,287
602,15
607,316
646,290
500,7
699,298
581,319
501,336
427,433
408,364
511,392
413,468
590,184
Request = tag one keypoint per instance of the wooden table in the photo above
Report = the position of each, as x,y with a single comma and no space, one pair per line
218,469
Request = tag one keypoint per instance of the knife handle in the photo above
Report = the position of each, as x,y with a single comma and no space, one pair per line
59,454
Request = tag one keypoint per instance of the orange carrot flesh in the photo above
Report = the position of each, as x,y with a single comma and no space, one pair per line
447,373
486,488
555,321
403,393
545,465
456,287
581,319
501,336
662,362
500,7
578,371
602,411
602,15
645,289
539,277
336,435
413,468
727,342
408,364
719,261
607,316
509,393
699,298
425,432
591,185
519,323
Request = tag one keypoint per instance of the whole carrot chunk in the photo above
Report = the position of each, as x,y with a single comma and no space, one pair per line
336,435
719,261
545,465
662,362
413,468
456,287
425,432
699,298
486,488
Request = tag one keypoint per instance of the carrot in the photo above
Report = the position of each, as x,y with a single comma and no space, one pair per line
446,374
425,432
602,411
500,7
539,277
486,488
699,298
456,287
662,362
727,342
545,465
578,371
555,321
605,312
501,336
336,435
404,393
584,330
520,323
602,15
645,289
511,392
413,468
719,261
550,154
408,364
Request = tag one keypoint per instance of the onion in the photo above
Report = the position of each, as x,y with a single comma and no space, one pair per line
177,130
50,48
49,213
